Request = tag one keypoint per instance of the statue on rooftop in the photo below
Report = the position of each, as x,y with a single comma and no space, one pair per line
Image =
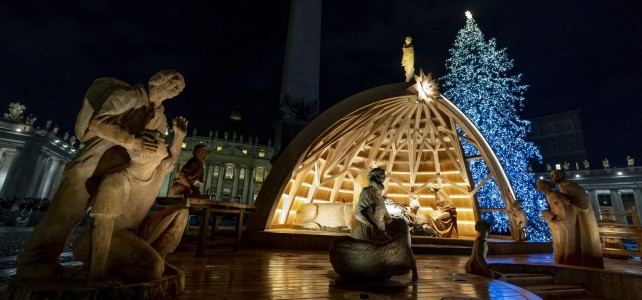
47,124
408,58
31,119
587,165
15,111
605,163
118,174
630,162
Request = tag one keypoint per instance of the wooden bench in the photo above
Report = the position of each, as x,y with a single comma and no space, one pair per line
612,230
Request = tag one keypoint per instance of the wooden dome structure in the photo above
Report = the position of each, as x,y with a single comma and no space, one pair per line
411,132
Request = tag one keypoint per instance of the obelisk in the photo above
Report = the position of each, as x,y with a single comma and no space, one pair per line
299,99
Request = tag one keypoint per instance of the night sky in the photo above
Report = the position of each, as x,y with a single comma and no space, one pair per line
573,55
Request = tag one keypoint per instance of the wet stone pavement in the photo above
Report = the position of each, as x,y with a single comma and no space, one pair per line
13,239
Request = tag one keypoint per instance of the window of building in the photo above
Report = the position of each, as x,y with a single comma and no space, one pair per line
184,145
604,200
219,148
627,203
558,166
229,172
262,153
226,193
244,151
216,172
259,175
242,174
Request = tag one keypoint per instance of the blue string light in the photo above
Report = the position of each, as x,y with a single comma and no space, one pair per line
477,81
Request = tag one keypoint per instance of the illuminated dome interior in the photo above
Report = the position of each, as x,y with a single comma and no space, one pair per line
415,137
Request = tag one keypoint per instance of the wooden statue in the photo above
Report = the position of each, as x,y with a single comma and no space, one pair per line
589,236
518,219
367,259
371,213
476,264
444,217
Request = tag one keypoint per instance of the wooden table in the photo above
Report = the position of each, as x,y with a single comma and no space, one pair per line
218,208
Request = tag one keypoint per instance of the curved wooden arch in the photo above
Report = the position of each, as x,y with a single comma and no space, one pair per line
416,142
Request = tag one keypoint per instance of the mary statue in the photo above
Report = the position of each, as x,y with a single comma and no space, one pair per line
408,58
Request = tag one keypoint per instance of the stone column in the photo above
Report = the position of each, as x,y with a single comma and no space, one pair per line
45,188
45,178
637,195
594,202
616,201
9,154
246,185
57,179
207,179
250,199
219,187
237,171
21,173
38,176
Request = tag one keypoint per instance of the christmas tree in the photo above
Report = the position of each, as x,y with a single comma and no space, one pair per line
478,82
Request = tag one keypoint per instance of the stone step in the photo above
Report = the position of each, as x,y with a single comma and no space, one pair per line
525,279
557,291
421,240
441,249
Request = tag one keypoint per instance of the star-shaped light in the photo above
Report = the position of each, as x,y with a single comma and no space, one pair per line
425,87
469,15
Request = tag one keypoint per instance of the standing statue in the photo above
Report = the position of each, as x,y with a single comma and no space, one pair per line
477,264
209,135
587,165
518,220
444,217
65,137
190,178
371,213
408,58
47,125
31,119
567,166
630,162
605,163
55,129
562,220
116,120
72,140
589,236
548,167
